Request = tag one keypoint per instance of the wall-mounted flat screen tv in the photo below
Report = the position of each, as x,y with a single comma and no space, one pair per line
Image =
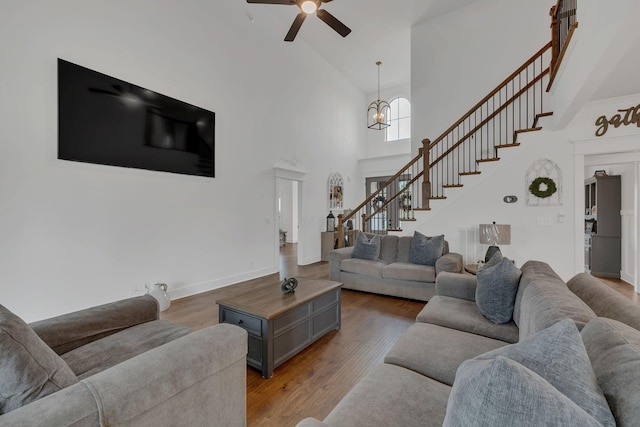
108,121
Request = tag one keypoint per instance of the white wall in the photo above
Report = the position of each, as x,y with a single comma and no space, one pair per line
458,58
605,37
75,235
480,201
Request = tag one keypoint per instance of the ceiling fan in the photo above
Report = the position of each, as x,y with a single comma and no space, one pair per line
307,7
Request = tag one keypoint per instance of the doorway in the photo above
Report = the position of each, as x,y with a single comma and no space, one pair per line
387,219
625,212
288,213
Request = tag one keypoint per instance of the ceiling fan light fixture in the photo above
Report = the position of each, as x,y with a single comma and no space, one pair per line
309,6
378,110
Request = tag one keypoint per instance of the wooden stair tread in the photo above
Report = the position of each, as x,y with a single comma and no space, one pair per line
515,144
494,159
528,130
470,173
452,185
437,197
409,219
538,116
422,209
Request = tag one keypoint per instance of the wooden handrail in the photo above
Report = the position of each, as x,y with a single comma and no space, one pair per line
385,185
424,152
492,115
491,94
558,61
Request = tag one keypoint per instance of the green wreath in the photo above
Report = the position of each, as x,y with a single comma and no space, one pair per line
550,185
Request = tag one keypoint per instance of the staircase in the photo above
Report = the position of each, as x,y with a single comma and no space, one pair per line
514,107
493,124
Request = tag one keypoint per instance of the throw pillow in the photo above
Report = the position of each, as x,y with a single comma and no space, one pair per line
28,367
614,351
497,286
502,392
366,248
426,250
558,355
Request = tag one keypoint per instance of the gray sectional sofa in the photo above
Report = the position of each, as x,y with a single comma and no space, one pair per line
118,365
392,273
454,367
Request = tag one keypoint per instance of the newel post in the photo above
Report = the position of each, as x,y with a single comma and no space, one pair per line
340,232
426,183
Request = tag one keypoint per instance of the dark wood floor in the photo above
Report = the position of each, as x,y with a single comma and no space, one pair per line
314,381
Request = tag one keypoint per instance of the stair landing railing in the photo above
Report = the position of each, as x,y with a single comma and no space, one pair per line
513,107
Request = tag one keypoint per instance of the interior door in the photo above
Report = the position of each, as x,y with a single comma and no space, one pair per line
387,218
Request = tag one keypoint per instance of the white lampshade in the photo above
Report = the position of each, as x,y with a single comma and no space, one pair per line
495,234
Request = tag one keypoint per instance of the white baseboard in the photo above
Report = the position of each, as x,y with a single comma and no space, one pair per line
629,279
190,290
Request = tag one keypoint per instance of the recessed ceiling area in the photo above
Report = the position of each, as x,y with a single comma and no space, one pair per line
381,30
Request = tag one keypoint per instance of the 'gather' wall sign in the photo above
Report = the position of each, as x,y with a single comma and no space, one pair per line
631,116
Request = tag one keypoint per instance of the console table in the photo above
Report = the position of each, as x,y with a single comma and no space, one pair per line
281,325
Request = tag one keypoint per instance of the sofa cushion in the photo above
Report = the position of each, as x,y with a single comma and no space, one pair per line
109,351
404,248
29,369
391,396
545,302
603,300
533,271
559,356
502,392
366,247
363,267
409,271
614,350
436,351
426,250
389,248
464,315
496,289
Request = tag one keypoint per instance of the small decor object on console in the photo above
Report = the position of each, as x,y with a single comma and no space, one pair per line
159,292
288,286
331,222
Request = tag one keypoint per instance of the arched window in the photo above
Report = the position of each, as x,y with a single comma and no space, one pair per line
399,119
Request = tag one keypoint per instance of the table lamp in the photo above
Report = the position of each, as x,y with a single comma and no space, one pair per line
494,235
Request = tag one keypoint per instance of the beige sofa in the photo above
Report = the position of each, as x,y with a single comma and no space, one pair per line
434,368
392,274
118,365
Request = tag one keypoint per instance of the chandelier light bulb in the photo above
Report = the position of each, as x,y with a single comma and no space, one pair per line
309,6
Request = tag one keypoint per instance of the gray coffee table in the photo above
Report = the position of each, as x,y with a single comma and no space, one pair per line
280,326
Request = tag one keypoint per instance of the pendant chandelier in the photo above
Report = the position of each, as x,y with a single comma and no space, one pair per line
378,111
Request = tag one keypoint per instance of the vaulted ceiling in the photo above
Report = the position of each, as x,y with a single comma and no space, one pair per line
381,30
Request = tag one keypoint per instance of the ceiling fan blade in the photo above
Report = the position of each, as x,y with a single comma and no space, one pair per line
272,1
333,22
295,27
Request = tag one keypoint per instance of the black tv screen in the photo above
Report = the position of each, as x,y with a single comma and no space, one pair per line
108,121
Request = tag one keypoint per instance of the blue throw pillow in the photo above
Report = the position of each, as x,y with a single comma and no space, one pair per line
557,356
366,248
496,289
426,250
